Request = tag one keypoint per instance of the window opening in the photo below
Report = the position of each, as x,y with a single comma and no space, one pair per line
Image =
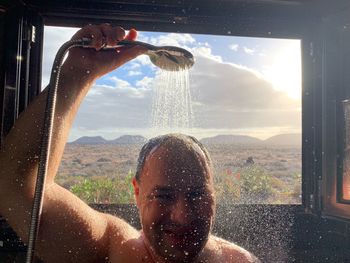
246,109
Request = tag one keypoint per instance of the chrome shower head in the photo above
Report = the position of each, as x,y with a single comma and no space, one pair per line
169,58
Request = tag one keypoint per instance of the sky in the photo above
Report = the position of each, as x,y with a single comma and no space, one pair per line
238,85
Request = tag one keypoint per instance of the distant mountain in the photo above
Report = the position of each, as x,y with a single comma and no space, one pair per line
125,139
292,139
231,139
129,139
90,140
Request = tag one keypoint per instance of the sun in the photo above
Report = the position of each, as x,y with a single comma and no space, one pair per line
284,73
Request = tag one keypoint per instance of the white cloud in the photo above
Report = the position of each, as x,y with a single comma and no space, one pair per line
116,106
145,61
146,82
205,44
234,47
54,37
132,65
134,73
249,51
205,52
231,96
173,39
119,83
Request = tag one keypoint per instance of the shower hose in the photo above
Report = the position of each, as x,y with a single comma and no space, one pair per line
46,142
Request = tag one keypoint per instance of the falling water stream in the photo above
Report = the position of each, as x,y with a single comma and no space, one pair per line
172,106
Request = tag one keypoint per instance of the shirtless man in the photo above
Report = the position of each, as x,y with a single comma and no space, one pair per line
173,185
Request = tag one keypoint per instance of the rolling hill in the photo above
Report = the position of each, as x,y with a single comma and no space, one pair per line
125,139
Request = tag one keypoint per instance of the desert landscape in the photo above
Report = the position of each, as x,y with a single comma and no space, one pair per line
247,170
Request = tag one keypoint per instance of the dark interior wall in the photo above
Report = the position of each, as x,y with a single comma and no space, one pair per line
2,52
20,75
223,17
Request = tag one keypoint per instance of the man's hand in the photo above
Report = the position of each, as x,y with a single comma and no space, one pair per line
95,61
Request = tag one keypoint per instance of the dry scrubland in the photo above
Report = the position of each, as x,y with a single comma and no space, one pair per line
243,174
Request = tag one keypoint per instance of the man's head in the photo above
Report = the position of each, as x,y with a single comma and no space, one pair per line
174,193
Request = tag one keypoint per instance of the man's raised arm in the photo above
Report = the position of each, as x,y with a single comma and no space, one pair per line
69,228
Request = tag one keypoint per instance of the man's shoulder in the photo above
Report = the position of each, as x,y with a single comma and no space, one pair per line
120,230
230,252
126,244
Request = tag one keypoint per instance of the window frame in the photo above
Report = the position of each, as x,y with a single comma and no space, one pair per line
335,55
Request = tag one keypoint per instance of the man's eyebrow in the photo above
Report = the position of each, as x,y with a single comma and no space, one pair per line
197,188
160,188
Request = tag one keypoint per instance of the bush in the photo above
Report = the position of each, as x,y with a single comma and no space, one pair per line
249,184
256,184
105,190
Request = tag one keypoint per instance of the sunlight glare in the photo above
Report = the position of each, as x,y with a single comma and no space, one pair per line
285,71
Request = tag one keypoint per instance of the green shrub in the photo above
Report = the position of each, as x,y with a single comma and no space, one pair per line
105,190
248,184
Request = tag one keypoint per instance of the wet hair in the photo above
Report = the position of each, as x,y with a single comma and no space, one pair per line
177,139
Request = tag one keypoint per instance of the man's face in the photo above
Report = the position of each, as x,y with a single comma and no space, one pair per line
176,203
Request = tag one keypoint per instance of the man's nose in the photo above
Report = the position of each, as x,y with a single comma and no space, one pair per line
181,212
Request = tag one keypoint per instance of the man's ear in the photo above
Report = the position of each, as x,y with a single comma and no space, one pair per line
136,190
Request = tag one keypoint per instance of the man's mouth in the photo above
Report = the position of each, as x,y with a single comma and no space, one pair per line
180,237
176,238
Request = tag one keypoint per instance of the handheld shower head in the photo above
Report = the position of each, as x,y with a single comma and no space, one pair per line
169,58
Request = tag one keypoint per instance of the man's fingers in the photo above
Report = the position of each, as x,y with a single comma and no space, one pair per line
101,35
132,35
112,35
92,32
104,61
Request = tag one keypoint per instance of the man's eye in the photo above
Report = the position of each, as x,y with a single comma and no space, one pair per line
195,195
164,197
